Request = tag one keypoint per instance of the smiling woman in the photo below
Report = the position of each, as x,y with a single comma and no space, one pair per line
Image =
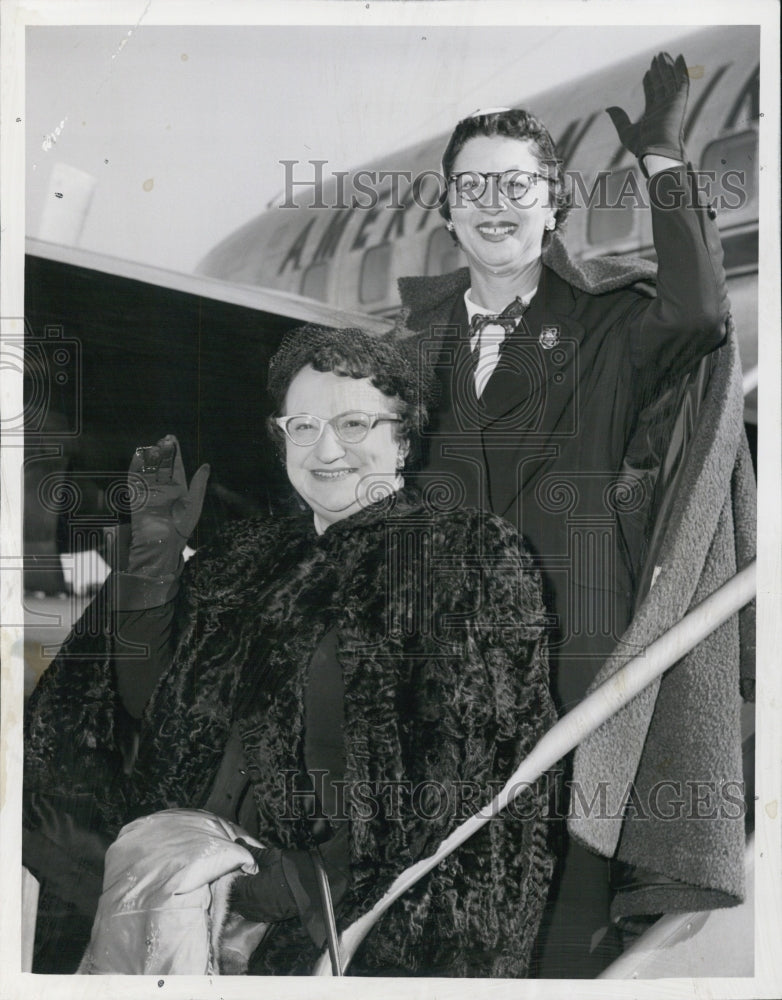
356,454
506,194
560,385
351,414
342,685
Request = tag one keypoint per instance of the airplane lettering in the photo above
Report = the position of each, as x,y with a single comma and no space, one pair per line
704,95
721,123
572,137
330,240
294,254
618,156
422,222
362,236
396,224
749,96
327,246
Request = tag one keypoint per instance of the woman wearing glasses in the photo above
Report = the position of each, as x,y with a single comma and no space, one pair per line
551,371
360,676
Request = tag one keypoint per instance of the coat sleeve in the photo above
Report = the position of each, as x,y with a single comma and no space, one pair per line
479,703
99,682
687,320
82,727
81,735
83,715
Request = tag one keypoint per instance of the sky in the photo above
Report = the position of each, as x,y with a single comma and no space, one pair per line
167,138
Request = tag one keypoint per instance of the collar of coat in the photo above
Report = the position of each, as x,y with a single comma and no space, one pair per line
424,296
285,540
395,506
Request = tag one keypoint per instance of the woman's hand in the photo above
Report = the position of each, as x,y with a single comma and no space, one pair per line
659,129
285,885
167,511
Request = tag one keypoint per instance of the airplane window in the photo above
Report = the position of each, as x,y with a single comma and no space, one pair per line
313,284
738,154
611,216
375,271
442,255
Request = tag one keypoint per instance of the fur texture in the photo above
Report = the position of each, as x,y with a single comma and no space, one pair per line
443,650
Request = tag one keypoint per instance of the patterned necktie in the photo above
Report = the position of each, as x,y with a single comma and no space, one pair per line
485,361
508,319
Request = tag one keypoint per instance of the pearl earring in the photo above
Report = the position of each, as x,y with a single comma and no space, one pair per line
449,226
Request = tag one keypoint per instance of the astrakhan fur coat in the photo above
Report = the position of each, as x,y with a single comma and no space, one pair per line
442,644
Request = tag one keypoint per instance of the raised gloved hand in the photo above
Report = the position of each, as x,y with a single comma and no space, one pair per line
659,129
286,886
166,511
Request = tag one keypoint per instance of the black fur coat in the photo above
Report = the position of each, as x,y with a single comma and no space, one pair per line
442,645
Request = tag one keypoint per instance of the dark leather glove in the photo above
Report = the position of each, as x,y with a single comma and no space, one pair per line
266,896
166,512
659,129
286,886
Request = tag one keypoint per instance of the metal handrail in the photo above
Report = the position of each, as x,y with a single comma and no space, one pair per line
565,736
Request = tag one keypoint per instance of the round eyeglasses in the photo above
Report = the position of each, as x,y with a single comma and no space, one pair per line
512,184
351,427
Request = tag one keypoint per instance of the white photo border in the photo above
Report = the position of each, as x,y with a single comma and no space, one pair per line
16,17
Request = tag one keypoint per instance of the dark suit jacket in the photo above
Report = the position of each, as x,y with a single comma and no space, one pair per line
558,443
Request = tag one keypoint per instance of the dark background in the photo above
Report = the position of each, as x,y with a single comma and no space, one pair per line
113,363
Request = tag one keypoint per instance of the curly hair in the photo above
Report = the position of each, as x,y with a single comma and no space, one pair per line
353,353
513,123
